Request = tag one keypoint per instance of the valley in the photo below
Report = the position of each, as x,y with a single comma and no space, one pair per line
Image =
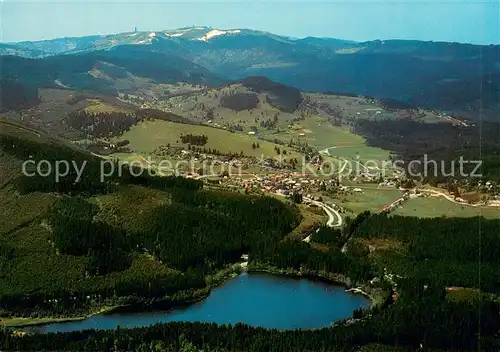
241,167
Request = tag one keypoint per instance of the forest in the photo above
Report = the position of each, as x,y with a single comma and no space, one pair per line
394,105
240,101
284,98
445,251
189,236
152,241
440,142
111,124
17,95
90,181
436,320
194,139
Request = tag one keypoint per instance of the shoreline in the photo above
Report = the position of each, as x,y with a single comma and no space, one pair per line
218,279
339,279
21,322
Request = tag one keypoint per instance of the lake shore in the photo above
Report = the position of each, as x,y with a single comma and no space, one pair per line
376,296
213,281
21,322
168,303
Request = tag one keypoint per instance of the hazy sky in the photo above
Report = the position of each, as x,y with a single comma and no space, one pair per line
467,21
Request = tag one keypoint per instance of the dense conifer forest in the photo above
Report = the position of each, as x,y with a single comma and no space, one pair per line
110,124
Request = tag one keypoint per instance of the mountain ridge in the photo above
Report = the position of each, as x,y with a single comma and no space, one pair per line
201,33
434,75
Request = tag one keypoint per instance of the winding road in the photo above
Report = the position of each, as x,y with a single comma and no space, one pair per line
448,197
334,217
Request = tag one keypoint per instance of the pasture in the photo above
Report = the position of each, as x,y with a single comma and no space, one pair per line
372,199
148,135
340,141
430,207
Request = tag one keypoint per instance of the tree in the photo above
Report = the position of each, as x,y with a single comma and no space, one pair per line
296,198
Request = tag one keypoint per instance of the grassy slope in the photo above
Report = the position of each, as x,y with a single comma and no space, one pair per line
149,135
436,207
319,133
371,199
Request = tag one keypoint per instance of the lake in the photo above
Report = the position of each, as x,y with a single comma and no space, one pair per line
255,299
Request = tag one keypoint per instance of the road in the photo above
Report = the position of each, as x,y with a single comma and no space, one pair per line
448,197
334,217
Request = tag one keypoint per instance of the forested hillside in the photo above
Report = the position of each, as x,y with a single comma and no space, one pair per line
125,238
17,95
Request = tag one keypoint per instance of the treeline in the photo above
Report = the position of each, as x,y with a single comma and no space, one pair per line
285,98
110,124
332,237
240,101
394,104
299,256
206,228
422,318
198,140
146,290
438,238
213,151
446,251
442,143
102,124
89,180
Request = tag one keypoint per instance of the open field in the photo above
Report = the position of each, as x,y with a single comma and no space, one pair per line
427,207
148,135
372,199
99,106
320,133
360,107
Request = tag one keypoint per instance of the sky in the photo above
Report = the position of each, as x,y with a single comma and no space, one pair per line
466,21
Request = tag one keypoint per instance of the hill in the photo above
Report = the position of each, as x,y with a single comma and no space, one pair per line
75,114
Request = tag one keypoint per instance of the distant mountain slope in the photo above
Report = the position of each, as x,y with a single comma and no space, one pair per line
19,50
100,70
457,78
284,98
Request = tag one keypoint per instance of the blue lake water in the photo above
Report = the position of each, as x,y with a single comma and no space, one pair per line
255,299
